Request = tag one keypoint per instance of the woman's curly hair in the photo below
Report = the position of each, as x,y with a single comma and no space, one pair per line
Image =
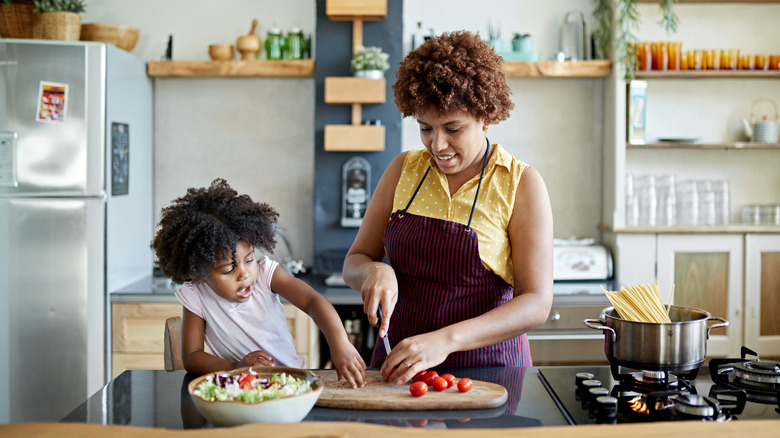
206,222
456,71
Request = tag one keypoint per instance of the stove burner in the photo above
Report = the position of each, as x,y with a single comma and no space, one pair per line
697,407
760,379
760,371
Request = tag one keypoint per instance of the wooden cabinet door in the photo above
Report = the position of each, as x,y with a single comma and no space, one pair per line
305,333
762,294
137,331
706,272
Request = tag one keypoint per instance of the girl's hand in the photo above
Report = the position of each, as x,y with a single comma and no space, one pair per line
413,354
349,364
379,287
256,358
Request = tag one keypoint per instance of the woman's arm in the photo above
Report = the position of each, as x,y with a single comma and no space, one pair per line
363,270
346,358
530,234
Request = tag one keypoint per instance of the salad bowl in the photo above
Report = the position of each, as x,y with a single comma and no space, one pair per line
291,394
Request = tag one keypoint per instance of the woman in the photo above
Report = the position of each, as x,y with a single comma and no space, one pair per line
466,227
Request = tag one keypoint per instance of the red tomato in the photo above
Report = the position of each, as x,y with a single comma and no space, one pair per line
418,389
245,381
274,383
440,384
417,377
429,376
449,378
465,384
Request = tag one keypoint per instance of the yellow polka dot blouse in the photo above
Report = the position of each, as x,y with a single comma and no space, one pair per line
493,210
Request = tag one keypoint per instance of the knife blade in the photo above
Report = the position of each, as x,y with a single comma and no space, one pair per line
385,341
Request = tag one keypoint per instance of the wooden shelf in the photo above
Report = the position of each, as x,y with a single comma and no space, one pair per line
721,146
555,69
736,228
708,74
351,90
193,69
354,138
348,10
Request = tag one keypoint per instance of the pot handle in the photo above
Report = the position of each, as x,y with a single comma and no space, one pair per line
723,323
599,325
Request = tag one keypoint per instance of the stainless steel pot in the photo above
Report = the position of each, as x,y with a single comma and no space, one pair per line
677,346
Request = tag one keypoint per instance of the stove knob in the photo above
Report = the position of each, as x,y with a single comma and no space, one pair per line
589,401
584,386
606,408
581,377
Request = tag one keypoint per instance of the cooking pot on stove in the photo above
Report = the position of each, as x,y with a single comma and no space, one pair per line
678,346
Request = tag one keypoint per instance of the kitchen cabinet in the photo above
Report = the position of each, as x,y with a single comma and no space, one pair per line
734,276
762,293
137,335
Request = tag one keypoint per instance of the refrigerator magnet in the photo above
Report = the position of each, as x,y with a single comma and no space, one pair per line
52,101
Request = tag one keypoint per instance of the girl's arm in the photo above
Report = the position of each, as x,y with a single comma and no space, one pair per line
346,358
195,358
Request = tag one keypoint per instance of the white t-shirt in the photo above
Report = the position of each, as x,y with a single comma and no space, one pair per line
235,329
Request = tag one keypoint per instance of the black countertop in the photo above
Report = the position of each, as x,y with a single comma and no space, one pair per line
160,399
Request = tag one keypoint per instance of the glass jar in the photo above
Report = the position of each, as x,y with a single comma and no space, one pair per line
274,44
294,44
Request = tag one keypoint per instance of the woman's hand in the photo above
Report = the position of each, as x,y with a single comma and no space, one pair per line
256,358
413,354
379,288
349,364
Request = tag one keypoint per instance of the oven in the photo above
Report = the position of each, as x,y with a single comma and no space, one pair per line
580,271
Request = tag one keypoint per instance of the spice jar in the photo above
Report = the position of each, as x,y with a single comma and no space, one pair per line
274,44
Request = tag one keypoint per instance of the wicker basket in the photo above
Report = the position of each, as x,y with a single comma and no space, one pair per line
64,26
19,20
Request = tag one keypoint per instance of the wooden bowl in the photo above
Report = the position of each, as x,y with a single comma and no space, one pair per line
121,35
221,52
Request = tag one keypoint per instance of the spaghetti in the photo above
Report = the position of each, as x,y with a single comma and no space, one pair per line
640,303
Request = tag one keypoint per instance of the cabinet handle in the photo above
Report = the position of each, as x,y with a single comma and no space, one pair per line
556,316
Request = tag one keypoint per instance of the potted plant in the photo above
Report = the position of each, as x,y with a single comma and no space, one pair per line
616,21
60,19
369,62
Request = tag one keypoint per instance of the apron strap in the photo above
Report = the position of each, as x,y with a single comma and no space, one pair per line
479,184
476,195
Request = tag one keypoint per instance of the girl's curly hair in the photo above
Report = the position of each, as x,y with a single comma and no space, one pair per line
456,71
206,222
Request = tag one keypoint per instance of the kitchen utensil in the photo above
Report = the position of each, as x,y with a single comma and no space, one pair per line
678,346
281,410
573,40
766,130
121,35
379,394
221,52
249,45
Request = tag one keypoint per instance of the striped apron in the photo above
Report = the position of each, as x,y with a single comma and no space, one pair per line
441,281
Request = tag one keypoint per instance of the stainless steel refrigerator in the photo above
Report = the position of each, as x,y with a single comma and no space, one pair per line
76,215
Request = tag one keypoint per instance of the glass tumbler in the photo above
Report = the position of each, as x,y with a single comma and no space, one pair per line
706,203
632,207
721,191
667,200
687,203
751,214
647,200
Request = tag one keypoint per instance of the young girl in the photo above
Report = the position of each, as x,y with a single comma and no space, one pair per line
206,242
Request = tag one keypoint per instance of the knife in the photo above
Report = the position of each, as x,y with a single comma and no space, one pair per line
385,341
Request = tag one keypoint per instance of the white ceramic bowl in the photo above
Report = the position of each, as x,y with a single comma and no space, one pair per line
282,410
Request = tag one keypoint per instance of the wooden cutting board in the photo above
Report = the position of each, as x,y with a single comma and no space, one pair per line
378,394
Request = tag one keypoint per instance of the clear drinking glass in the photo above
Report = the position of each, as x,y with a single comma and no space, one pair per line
647,200
667,200
687,203
751,214
720,188
632,207
706,203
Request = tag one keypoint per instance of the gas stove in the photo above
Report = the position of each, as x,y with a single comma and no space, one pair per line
612,394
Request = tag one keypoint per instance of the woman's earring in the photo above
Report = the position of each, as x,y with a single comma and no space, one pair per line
484,128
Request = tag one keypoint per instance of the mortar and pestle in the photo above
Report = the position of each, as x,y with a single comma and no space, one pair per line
249,45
